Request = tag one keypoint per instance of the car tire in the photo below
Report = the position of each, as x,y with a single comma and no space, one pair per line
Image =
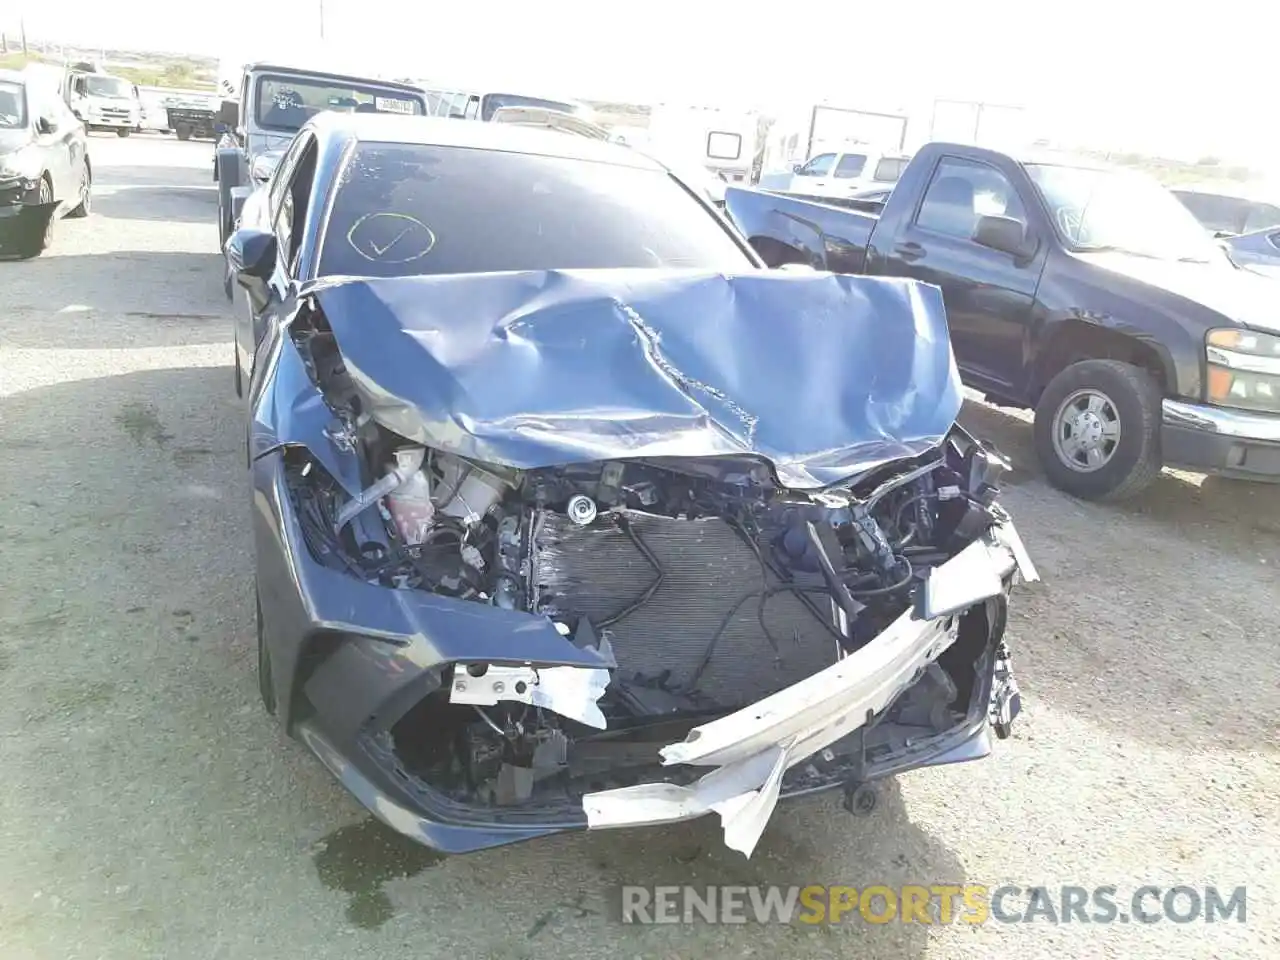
122,132
183,131
34,246
235,347
223,230
266,683
85,206
1097,430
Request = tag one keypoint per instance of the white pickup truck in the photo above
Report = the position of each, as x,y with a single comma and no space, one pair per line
844,174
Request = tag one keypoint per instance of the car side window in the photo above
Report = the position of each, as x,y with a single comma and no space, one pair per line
282,176
889,169
819,166
37,105
290,223
851,165
960,192
1261,216
1274,240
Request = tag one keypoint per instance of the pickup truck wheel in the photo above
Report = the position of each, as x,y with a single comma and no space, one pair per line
1097,430
184,132
123,132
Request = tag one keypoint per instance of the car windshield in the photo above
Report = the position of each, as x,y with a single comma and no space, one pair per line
286,103
404,210
97,86
490,103
1120,210
13,106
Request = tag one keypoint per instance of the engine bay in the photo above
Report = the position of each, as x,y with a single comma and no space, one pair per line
710,584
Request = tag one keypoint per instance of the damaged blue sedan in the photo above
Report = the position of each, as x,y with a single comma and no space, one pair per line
570,514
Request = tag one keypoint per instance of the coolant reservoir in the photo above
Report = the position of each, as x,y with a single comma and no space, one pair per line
410,506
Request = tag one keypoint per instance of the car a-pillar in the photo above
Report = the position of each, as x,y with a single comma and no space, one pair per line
1098,416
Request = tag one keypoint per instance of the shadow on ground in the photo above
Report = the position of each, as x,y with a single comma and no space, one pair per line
61,301
1246,510
1152,611
165,204
581,897
119,175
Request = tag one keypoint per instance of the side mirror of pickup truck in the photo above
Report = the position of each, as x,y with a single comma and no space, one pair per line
1006,235
229,113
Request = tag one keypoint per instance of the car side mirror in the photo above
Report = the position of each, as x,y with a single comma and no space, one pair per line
1004,234
263,167
797,168
251,253
229,113
46,125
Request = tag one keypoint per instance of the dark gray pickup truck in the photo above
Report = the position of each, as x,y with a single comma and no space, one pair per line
1088,294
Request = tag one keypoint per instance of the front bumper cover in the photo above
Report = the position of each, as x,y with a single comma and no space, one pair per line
753,748
22,219
349,659
1218,440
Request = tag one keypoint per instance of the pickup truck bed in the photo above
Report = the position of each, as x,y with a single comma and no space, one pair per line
1136,344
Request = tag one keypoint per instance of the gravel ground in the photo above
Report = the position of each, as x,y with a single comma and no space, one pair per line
149,809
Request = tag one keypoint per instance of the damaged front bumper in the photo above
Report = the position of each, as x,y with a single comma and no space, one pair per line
23,219
349,659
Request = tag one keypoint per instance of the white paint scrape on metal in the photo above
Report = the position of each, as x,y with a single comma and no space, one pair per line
753,747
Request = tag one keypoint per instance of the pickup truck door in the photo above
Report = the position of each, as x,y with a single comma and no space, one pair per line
988,294
848,175
812,178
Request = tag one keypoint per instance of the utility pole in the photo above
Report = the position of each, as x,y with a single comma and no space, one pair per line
321,19
22,26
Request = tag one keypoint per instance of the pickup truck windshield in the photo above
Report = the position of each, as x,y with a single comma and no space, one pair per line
1120,210
13,110
99,86
404,210
490,103
286,103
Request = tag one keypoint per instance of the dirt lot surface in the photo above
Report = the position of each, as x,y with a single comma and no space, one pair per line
149,809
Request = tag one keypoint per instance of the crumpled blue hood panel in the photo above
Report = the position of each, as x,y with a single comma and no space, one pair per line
823,375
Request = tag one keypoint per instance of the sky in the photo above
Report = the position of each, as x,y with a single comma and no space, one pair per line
1124,74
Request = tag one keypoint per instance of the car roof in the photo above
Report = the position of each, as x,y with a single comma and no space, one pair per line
475,135
275,67
13,76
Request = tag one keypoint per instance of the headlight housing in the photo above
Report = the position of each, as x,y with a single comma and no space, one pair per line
22,164
1243,369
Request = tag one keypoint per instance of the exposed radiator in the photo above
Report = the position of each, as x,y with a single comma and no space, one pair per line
595,571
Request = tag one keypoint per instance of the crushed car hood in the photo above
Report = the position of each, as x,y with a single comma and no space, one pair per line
823,375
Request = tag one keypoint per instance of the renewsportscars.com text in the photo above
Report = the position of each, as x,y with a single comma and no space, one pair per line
933,904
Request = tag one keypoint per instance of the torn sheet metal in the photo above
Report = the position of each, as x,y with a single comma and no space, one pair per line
823,375
753,747
571,692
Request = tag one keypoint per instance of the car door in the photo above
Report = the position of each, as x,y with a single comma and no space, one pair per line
988,294
288,192
812,176
51,138
847,176
77,145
